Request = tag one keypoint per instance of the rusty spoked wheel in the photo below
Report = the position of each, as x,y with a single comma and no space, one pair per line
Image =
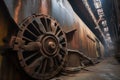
46,60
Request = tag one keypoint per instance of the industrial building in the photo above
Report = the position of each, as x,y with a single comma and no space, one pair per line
59,39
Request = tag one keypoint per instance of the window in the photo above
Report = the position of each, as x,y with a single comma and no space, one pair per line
106,29
104,23
100,12
97,4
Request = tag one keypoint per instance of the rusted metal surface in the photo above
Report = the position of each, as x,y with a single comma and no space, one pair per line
76,61
42,42
82,12
9,72
45,47
20,9
7,26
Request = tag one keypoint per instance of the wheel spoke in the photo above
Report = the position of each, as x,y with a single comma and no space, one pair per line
36,62
53,27
57,30
59,57
51,64
29,35
36,27
58,33
41,26
61,39
62,52
57,62
43,21
27,39
40,68
48,23
32,33
63,44
44,66
34,54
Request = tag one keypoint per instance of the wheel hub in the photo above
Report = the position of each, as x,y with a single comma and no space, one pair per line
50,45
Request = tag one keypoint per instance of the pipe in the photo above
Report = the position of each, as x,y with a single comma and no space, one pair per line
93,17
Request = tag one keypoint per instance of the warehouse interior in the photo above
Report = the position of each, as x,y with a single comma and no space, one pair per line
101,14
60,40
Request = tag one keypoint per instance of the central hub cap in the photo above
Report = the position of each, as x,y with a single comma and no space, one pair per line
49,45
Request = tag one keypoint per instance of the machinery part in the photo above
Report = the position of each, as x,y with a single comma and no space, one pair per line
41,46
81,59
81,55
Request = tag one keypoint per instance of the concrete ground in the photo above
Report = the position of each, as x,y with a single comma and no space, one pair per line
108,69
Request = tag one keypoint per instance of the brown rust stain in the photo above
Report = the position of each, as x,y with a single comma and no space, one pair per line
45,7
3,31
0,60
17,10
75,39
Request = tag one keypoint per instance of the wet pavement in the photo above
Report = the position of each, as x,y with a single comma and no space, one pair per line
108,69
